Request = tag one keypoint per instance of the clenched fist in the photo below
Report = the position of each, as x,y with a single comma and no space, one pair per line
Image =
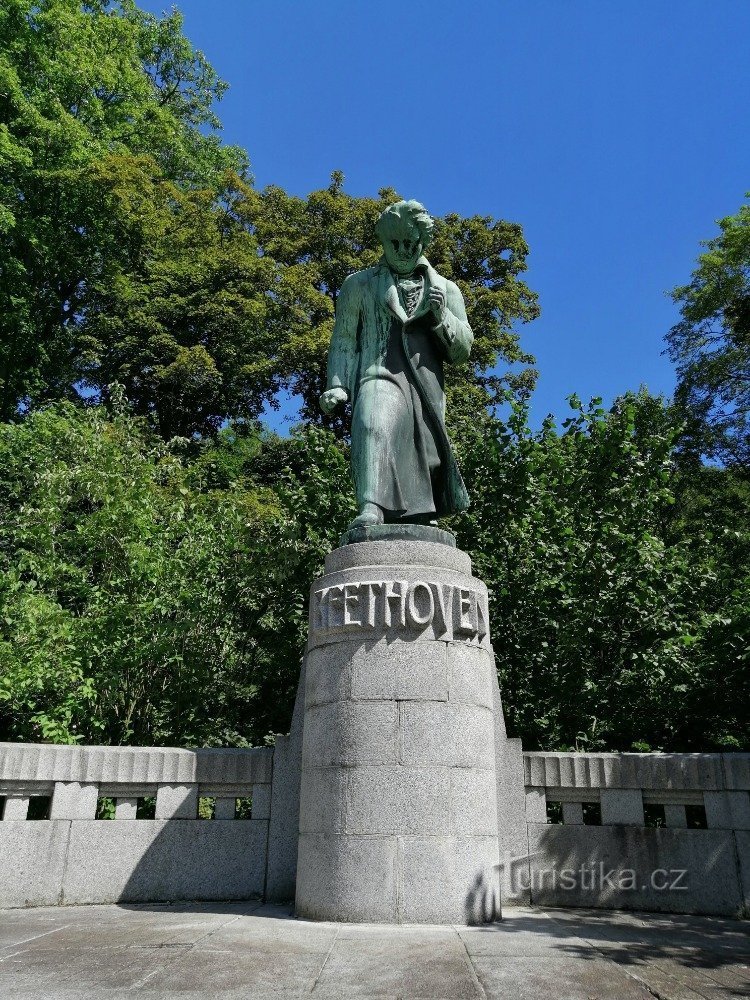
331,398
437,303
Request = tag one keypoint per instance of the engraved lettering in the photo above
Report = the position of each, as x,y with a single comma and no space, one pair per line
351,603
465,620
443,593
371,588
412,605
336,606
482,616
455,612
399,596
320,618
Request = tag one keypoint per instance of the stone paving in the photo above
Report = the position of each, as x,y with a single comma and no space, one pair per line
230,951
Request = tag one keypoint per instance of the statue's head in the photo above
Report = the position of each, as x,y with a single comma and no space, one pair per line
404,229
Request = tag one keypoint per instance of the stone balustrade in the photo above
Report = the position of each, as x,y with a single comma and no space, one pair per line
628,831
638,831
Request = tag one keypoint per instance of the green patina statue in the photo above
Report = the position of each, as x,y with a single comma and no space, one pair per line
397,323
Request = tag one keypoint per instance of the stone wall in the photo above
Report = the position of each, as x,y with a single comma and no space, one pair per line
667,832
56,851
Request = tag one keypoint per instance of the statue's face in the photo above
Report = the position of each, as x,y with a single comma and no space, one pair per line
402,248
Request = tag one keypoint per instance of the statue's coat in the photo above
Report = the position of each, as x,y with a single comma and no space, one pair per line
392,367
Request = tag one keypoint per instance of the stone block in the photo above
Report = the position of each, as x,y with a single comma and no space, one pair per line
373,671
674,815
727,810
622,806
447,734
742,843
449,880
327,673
226,808
398,800
16,807
634,868
512,834
177,802
477,869
73,800
349,733
398,553
346,878
473,802
572,813
737,771
283,829
470,671
421,670
261,802
536,805
126,808
33,862
157,860
323,800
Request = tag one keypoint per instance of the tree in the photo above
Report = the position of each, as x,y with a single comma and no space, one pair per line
135,249
711,348
620,620
186,322
323,238
223,297
147,599
85,86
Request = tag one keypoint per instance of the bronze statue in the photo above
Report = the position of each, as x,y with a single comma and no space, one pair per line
397,323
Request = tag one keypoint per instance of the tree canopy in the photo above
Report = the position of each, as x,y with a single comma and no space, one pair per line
158,543
90,93
711,347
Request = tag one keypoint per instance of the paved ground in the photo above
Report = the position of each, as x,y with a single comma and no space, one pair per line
230,951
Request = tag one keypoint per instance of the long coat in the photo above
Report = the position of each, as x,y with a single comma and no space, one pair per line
392,367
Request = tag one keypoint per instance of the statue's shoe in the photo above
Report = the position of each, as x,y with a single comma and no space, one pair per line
365,519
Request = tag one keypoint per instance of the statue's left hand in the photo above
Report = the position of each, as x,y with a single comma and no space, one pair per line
437,303
331,398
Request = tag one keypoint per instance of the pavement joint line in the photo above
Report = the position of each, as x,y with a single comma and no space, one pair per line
179,952
35,937
470,965
325,960
663,996
672,973
630,975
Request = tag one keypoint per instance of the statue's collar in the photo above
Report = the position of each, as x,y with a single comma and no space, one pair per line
390,293
423,265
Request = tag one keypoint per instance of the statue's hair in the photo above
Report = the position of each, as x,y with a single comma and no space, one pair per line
405,211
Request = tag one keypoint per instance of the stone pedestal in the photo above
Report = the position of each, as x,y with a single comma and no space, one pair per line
398,798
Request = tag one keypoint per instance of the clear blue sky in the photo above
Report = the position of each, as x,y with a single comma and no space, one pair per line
615,131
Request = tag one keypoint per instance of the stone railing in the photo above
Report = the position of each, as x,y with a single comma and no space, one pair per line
650,831
77,783
632,831
152,844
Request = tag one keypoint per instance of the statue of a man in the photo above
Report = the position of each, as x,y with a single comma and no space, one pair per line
397,323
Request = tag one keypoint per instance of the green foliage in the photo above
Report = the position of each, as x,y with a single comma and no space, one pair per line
711,348
186,324
87,90
620,621
156,554
319,240
142,599
156,593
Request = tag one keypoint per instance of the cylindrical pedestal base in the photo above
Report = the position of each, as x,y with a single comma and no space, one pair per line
398,808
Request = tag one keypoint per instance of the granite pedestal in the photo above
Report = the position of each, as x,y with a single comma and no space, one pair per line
398,800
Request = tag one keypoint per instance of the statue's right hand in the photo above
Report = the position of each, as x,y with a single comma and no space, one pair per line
331,398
